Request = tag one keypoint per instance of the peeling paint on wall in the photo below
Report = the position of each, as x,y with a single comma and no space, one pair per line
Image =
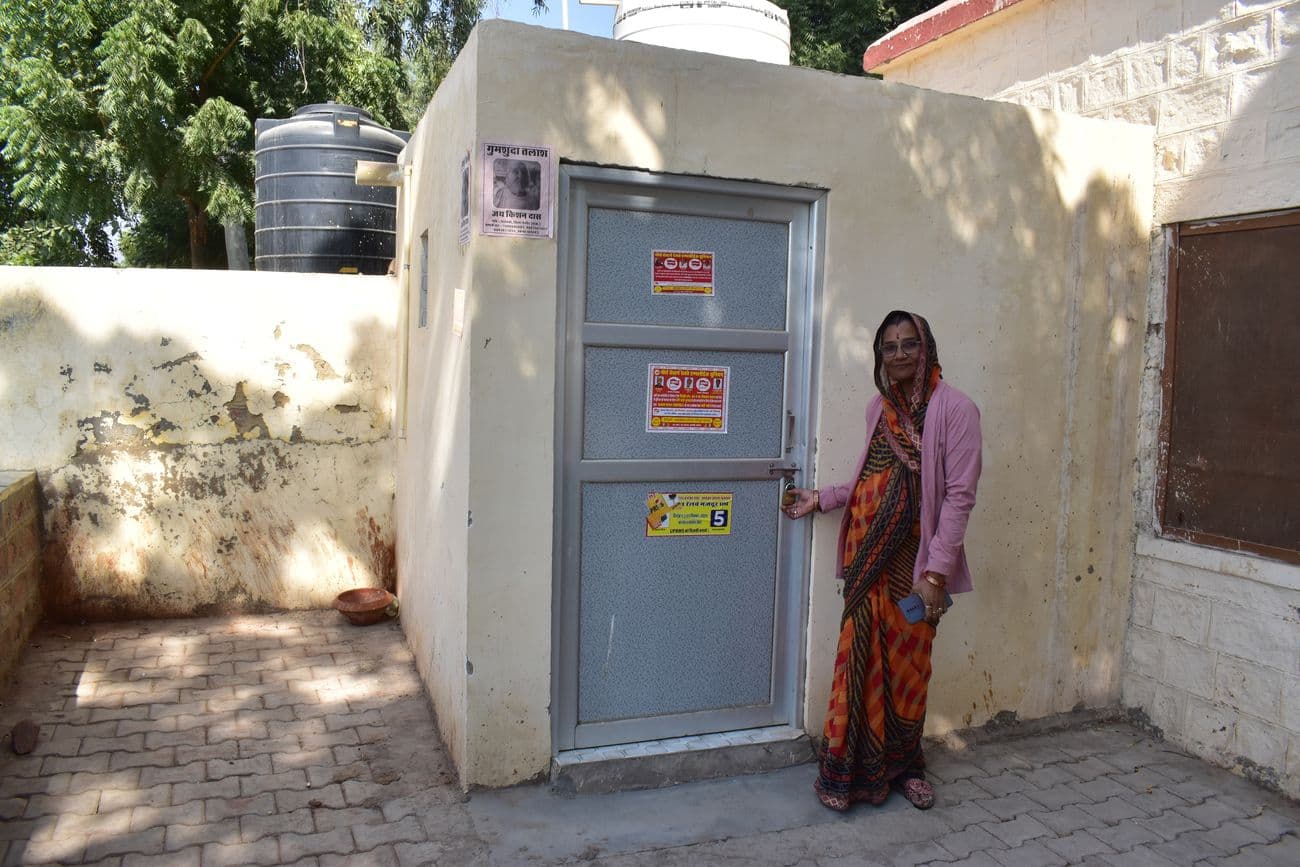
181,478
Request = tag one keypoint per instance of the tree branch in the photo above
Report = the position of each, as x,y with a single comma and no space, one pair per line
212,67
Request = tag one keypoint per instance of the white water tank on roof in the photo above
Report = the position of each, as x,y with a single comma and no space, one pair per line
752,29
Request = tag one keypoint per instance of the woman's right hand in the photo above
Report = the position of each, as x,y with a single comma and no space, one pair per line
805,502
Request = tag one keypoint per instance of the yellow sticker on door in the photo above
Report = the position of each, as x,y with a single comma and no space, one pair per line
693,513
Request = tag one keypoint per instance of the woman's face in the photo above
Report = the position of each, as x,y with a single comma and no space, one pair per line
901,347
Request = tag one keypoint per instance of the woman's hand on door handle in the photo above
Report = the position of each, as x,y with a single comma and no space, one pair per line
798,502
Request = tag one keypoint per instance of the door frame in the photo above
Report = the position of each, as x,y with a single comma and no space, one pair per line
803,325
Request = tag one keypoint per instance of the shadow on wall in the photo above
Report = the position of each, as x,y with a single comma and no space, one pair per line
223,470
1021,235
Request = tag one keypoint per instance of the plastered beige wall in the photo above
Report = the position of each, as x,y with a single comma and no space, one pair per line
1021,234
1211,651
433,454
205,441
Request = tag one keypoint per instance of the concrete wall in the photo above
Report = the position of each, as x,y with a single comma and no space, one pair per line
20,566
1213,655
433,510
205,441
1022,235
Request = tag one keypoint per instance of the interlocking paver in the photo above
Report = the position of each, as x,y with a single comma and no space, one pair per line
973,839
1114,810
85,824
148,842
241,854
163,758
1210,813
1004,784
1008,807
295,846
1189,847
192,772
407,830
1170,824
1141,856
1100,789
1077,846
180,733
382,856
1031,854
327,819
1068,819
180,837
1018,830
1058,796
143,818
184,858
327,796
1125,836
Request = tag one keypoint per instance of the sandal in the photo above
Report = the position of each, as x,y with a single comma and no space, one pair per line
918,792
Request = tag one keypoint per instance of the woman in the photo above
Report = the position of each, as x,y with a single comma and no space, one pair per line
902,533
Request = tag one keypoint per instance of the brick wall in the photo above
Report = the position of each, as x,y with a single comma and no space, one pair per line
20,569
1212,652
1220,82
1212,656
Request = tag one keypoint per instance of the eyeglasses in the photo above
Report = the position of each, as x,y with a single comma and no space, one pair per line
907,347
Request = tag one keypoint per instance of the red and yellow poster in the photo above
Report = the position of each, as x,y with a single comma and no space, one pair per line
686,398
678,272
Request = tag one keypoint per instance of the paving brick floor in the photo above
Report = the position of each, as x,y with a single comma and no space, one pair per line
299,739
289,739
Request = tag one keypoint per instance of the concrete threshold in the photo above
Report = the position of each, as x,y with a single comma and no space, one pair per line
652,764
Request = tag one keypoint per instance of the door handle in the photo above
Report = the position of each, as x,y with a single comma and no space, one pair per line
789,431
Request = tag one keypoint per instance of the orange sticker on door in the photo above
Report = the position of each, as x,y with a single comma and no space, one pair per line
683,398
678,272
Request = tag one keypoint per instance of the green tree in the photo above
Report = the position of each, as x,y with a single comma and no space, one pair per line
136,116
833,34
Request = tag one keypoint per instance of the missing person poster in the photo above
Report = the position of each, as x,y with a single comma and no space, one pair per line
695,513
517,189
675,272
464,198
683,398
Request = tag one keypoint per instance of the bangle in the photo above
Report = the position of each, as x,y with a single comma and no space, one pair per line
817,500
929,576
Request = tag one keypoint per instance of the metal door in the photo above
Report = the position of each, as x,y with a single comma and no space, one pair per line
680,587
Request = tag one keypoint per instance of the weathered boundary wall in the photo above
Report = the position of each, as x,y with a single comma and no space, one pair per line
204,441
20,566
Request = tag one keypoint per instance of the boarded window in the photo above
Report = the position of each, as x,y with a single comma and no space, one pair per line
1230,476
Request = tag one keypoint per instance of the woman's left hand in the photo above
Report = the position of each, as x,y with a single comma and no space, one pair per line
933,597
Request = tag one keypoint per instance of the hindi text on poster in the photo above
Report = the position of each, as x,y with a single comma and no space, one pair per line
677,272
687,398
694,513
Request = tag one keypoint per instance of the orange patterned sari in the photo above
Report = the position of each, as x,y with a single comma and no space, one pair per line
882,664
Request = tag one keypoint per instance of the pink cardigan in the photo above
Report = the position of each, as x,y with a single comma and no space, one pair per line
950,471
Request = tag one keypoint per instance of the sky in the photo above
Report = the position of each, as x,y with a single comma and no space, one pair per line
596,20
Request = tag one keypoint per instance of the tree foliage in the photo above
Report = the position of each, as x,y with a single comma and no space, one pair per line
833,34
136,116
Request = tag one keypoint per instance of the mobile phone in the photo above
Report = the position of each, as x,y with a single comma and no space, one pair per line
914,606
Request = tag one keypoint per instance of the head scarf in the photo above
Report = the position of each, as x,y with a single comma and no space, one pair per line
904,410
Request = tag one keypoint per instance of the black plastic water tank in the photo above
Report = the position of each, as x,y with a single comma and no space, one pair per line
312,215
